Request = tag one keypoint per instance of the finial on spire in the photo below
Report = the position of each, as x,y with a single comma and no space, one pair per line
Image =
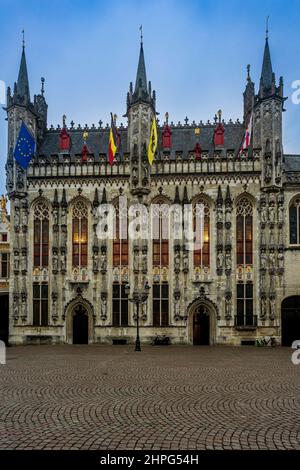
167,117
141,30
23,38
267,28
43,82
64,120
248,72
219,115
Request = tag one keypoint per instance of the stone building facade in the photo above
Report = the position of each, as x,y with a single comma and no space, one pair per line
67,284
4,269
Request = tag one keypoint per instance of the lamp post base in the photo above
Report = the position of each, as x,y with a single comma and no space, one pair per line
137,345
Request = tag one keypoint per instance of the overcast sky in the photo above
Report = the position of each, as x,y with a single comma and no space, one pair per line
196,54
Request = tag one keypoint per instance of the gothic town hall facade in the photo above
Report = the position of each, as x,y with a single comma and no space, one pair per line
68,286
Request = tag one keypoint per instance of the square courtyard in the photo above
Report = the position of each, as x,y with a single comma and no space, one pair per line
166,397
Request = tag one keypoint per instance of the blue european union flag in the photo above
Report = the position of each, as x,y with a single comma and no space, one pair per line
25,147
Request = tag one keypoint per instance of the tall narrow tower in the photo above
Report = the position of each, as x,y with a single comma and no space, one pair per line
140,113
267,133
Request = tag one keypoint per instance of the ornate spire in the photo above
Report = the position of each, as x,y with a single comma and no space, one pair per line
142,90
185,199
64,199
104,198
177,197
22,88
219,197
267,78
248,96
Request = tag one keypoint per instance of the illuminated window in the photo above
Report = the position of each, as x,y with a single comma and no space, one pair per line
244,232
41,235
160,244
201,216
294,213
80,234
120,244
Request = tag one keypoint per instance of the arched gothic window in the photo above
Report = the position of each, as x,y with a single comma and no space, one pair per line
80,234
244,257
120,242
294,213
41,234
160,259
244,232
201,221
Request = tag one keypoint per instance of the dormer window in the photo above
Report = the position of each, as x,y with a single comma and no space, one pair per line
64,140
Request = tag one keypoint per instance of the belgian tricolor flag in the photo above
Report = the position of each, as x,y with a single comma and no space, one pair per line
114,144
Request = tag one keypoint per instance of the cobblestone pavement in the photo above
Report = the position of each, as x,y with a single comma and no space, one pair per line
176,397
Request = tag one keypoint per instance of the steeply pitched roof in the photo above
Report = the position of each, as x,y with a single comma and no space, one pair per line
292,162
23,82
266,71
184,140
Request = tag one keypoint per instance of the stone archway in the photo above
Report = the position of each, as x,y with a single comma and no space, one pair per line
202,318
75,313
290,320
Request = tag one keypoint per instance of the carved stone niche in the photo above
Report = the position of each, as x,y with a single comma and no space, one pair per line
103,259
177,259
263,306
103,306
177,314
220,261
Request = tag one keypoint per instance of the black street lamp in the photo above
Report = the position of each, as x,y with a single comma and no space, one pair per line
139,296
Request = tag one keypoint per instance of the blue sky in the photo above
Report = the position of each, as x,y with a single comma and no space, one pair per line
196,55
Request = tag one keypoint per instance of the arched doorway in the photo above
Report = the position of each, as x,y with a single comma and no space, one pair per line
79,315
80,326
201,327
290,320
202,316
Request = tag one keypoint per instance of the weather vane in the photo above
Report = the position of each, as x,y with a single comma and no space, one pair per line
141,30
267,27
23,38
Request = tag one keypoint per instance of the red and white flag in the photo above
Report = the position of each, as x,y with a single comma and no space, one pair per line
247,136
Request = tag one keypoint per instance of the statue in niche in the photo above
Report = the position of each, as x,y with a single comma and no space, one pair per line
24,262
144,261
95,260
16,261
63,216
263,213
227,307
219,215
263,259
55,215
228,261
17,216
63,262
281,214
103,263
55,261
220,260
103,307
271,213
228,216
272,259
177,261
268,170
263,307
185,260
280,258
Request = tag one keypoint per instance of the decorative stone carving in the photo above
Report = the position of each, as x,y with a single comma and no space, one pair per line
103,314
103,261
55,261
263,259
185,261
95,261
16,261
177,260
